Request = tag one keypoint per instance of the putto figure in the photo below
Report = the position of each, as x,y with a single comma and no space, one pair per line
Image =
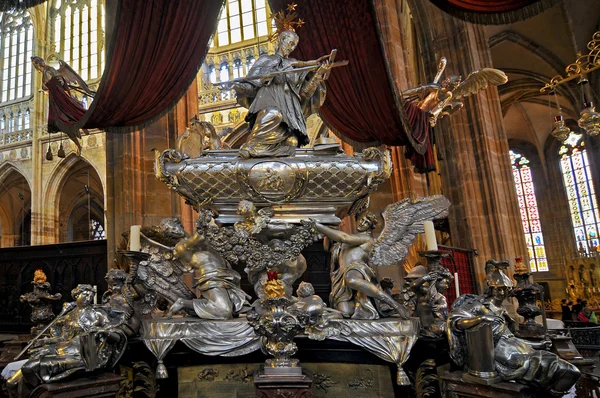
280,92
515,359
355,290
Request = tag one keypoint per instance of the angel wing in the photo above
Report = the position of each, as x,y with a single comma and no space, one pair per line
479,80
161,273
403,221
74,81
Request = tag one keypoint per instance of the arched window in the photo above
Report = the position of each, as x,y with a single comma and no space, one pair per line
16,47
97,230
78,29
529,212
581,194
241,20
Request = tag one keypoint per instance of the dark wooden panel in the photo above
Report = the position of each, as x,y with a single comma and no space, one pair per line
66,265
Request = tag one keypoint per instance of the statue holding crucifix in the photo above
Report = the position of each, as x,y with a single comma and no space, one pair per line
280,92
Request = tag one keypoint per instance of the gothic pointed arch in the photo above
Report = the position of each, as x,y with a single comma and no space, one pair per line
75,195
15,207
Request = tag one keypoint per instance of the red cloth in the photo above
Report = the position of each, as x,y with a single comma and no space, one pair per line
582,317
362,102
487,6
63,109
155,52
494,12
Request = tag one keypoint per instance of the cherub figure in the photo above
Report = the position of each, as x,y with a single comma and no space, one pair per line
356,292
441,99
431,304
199,137
120,297
254,220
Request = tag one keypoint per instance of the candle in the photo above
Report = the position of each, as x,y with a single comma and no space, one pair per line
134,238
430,241
95,294
456,286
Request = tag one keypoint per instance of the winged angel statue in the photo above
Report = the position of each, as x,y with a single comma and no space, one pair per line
61,85
355,290
441,99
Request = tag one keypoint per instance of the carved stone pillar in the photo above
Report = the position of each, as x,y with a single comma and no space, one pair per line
134,195
476,171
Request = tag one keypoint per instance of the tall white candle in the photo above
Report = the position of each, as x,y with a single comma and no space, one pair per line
134,238
456,286
95,294
430,240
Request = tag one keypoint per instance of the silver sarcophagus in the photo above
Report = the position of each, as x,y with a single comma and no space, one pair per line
324,184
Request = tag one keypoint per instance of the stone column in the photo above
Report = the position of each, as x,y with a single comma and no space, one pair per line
38,121
134,195
476,171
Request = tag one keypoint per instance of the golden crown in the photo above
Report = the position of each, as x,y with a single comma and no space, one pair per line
286,20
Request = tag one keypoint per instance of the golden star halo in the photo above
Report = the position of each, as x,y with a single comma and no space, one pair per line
286,20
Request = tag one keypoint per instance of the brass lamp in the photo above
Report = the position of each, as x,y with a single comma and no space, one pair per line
589,119
560,130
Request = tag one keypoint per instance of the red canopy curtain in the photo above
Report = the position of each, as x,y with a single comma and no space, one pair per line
362,105
154,55
494,12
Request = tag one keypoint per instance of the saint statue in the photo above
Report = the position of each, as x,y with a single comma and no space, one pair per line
280,93
515,359
62,353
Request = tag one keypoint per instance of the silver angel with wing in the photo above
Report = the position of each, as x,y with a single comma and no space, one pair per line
442,99
160,274
356,291
174,253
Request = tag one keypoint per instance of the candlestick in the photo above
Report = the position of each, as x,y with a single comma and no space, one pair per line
430,240
134,238
456,285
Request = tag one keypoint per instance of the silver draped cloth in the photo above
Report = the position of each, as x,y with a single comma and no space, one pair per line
227,279
341,292
230,337
391,339
276,107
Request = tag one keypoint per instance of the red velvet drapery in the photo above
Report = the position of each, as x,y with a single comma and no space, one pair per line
362,104
494,12
154,55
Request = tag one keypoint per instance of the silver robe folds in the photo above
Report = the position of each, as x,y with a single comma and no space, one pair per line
56,361
341,292
225,279
515,358
277,107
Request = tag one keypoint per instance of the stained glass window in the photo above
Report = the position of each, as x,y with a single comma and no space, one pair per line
530,216
78,29
97,230
16,46
581,194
